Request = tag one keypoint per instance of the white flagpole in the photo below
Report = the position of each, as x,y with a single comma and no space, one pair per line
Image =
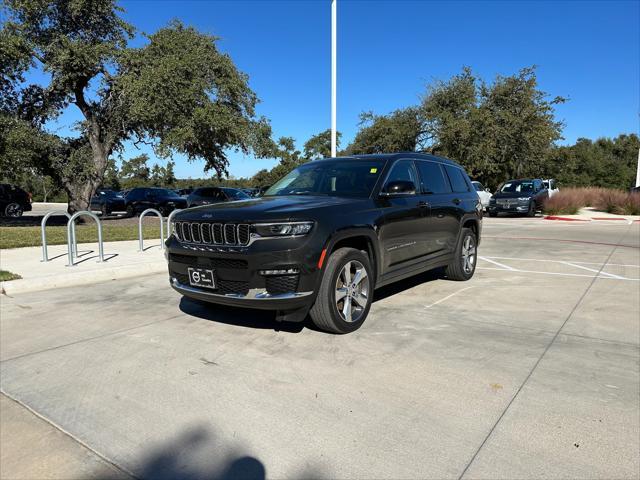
638,172
334,83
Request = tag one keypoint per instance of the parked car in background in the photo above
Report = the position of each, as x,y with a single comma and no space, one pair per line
551,185
524,196
209,195
322,238
107,201
483,194
14,201
184,192
162,199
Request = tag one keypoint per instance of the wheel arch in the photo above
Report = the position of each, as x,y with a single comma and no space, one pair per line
361,239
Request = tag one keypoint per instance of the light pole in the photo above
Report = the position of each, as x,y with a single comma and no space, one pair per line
638,172
334,76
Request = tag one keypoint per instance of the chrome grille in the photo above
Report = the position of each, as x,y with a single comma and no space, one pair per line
230,234
212,233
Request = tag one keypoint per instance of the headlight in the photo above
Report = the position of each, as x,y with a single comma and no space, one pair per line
524,199
283,229
492,200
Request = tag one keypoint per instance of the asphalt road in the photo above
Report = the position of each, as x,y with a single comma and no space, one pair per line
529,370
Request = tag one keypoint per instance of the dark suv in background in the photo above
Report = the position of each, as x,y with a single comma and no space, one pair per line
162,199
322,238
14,201
209,195
525,196
107,201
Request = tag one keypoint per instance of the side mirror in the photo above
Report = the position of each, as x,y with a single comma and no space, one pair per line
398,188
487,190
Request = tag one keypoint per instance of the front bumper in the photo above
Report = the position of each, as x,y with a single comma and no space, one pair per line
511,208
237,272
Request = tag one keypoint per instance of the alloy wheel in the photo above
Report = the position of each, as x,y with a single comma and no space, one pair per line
468,254
13,210
352,291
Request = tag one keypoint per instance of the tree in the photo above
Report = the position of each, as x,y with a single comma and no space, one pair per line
177,92
396,132
135,172
319,146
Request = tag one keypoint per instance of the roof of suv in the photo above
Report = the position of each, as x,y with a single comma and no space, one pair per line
394,156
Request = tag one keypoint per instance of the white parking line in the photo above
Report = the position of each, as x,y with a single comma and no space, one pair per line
599,272
504,267
514,270
448,296
561,261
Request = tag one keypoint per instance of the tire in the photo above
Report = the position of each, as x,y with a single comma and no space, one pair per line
325,311
164,211
493,214
459,270
105,211
532,210
131,212
13,210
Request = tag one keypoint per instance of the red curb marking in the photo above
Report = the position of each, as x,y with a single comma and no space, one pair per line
565,219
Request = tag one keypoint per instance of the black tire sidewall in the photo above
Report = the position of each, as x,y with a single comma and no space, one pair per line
467,232
343,326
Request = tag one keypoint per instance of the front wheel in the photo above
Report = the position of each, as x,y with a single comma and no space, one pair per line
346,292
131,211
463,265
13,210
532,210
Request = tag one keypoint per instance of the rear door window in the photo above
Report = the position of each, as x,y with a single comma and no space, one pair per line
458,182
432,178
403,170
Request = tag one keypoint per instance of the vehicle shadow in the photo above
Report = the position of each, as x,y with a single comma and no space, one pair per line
197,454
408,283
241,317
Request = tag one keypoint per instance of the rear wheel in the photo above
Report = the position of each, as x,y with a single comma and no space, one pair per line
346,292
131,212
464,264
13,210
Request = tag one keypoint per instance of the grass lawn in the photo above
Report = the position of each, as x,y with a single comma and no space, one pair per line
14,237
6,276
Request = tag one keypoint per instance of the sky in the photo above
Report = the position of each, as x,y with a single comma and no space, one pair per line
389,51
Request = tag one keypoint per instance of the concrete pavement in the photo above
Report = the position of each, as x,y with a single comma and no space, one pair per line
122,260
529,370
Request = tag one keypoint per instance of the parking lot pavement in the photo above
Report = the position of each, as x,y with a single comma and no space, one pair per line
528,370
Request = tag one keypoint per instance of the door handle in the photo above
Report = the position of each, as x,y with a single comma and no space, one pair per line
456,201
422,204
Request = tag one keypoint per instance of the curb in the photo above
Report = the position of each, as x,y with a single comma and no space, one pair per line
74,279
567,219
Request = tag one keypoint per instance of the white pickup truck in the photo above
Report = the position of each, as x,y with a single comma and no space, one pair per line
551,185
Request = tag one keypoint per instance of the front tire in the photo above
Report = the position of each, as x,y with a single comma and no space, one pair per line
131,211
13,210
532,210
463,266
346,292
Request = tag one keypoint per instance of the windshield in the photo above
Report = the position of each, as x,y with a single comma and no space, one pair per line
235,194
477,186
341,178
517,187
111,194
163,192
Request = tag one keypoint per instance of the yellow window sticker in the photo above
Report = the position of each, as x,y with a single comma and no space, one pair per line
373,170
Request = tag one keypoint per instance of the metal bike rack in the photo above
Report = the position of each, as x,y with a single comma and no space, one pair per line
71,235
140,239
169,218
43,233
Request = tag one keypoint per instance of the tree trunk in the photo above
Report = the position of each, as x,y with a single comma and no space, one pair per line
81,190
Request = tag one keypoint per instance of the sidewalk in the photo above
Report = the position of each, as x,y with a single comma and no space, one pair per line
122,260
590,215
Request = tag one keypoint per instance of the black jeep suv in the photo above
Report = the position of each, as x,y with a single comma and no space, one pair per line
326,235
14,201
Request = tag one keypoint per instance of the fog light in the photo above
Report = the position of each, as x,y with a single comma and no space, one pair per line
283,271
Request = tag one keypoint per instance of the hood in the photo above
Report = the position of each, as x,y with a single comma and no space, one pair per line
279,208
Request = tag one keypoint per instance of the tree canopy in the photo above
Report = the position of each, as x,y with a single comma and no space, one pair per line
177,92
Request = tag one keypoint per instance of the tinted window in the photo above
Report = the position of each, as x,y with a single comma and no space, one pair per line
517,186
234,194
458,182
402,171
352,178
478,186
134,194
432,178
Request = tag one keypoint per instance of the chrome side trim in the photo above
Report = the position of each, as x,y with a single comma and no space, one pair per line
253,294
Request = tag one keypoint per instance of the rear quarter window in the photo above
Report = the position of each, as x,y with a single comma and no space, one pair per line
458,179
